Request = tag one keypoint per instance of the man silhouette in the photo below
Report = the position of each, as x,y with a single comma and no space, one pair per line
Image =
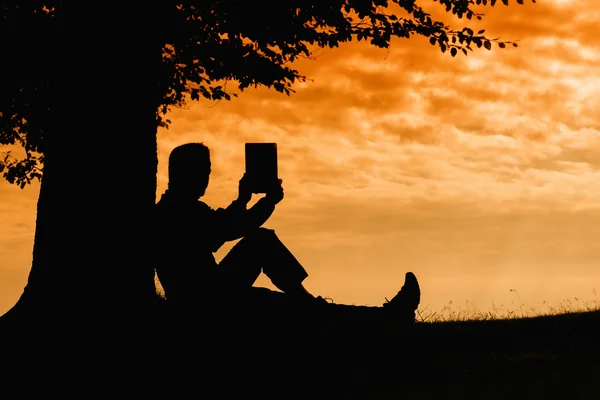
189,232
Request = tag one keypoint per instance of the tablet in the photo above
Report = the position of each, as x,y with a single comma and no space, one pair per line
261,166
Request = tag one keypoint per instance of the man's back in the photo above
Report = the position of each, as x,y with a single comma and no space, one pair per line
185,245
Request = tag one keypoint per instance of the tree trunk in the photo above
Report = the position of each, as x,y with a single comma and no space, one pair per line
92,253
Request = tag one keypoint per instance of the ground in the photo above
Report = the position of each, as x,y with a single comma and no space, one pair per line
283,356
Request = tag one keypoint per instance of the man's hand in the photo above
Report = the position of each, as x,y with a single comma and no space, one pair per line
244,190
275,193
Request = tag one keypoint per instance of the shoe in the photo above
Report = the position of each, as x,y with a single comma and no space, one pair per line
403,306
310,301
317,303
322,301
320,306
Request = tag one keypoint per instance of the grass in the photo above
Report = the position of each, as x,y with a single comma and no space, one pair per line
467,354
458,352
455,353
470,312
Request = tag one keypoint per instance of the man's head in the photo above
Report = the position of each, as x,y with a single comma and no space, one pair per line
189,169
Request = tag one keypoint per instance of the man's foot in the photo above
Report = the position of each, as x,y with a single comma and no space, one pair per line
302,297
403,306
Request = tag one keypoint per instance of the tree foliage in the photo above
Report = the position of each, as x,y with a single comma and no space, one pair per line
204,45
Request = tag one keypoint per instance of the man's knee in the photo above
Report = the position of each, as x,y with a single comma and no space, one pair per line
261,234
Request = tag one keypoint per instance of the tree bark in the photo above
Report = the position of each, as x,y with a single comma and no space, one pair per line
92,253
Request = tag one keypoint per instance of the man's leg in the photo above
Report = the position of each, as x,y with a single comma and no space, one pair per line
263,251
401,309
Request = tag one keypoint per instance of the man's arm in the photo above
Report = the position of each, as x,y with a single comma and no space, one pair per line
263,208
235,221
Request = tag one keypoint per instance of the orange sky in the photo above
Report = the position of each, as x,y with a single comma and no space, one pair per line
480,174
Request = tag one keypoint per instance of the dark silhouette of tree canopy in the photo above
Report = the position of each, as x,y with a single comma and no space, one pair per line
203,45
86,84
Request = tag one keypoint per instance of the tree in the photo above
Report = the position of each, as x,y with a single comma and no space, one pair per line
88,83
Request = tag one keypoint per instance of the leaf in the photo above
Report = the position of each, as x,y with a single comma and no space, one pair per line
232,40
501,45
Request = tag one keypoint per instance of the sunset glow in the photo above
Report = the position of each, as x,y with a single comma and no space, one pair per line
480,174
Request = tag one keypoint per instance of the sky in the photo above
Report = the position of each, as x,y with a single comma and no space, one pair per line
480,174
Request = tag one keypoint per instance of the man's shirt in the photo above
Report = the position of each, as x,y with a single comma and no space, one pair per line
189,232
